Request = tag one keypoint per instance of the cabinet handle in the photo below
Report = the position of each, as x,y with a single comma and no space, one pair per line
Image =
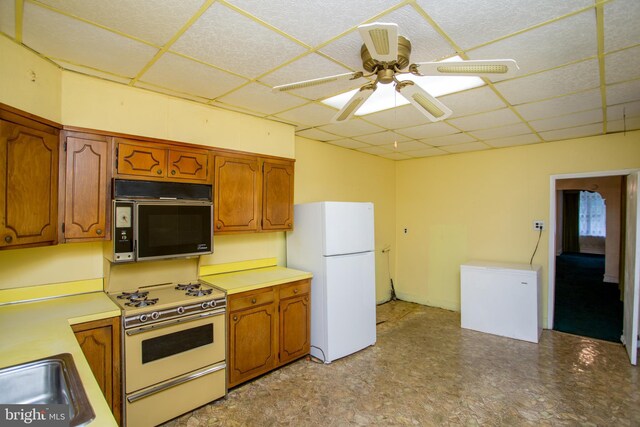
8,239
218,226
235,318
173,172
295,291
253,300
288,225
99,231
159,171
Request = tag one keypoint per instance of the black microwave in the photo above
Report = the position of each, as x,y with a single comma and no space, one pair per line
172,221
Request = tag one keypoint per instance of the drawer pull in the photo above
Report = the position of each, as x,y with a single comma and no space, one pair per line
8,239
99,231
159,171
253,300
173,172
295,291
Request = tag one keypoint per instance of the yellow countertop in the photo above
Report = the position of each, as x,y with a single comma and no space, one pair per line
248,280
38,329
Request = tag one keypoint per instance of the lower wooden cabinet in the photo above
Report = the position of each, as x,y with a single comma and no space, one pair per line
100,343
268,328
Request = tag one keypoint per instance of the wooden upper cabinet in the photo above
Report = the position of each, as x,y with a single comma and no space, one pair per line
28,185
87,184
143,160
236,184
277,195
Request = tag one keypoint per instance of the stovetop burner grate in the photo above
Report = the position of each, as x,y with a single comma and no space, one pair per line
143,302
197,292
133,295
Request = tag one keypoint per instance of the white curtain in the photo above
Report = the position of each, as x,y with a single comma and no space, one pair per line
593,217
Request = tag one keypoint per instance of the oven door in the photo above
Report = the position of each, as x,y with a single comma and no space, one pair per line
162,351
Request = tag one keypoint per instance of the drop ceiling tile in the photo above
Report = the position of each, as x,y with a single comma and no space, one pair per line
318,135
617,112
631,123
260,98
429,130
531,49
71,40
395,156
581,101
465,147
351,128
549,84
403,147
501,132
159,89
171,71
375,150
153,21
623,65
472,22
310,114
349,143
231,41
513,141
7,18
472,101
311,67
568,121
328,18
399,117
486,120
621,27
346,50
91,72
441,141
623,92
577,132
382,138
428,152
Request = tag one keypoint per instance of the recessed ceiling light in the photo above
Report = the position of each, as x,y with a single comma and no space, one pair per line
385,96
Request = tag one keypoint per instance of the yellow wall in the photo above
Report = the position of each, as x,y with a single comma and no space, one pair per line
481,205
326,172
18,66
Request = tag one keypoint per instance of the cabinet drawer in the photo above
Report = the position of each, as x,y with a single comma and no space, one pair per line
252,299
300,287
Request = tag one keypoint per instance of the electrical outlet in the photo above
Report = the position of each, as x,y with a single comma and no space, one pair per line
538,225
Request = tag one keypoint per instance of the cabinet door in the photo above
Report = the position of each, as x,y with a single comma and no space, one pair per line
236,193
252,343
140,160
28,185
277,196
86,187
100,343
295,328
189,165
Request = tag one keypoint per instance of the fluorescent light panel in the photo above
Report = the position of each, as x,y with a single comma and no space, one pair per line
385,97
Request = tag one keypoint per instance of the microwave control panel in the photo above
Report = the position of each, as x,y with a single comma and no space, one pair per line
123,239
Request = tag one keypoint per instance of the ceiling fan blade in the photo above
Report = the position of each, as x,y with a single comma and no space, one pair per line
381,40
314,82
356,101
425,103
493,67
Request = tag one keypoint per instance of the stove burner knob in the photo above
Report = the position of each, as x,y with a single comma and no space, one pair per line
155,315
180,310
212,303
205,305
144,317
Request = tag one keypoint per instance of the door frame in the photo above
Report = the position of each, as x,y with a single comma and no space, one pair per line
551,287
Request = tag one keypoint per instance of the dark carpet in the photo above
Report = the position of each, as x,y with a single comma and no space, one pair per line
584,304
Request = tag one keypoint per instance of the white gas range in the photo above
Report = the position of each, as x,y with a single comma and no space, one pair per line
174,347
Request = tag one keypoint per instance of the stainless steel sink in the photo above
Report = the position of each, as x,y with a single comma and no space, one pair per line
52,380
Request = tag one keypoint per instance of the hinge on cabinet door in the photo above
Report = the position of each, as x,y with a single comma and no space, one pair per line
117,148
63,223
65,146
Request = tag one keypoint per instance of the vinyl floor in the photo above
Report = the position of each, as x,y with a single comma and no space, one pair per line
426,371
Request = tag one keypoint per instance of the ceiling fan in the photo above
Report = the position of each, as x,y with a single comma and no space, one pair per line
385,55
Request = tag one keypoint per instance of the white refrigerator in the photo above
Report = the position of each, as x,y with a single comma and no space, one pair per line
335,242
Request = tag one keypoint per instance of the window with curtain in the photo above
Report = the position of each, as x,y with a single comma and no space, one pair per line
593,214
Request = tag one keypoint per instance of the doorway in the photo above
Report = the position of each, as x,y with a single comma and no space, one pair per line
587,296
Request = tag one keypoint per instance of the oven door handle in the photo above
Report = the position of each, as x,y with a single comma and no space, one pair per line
161,387
168,323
